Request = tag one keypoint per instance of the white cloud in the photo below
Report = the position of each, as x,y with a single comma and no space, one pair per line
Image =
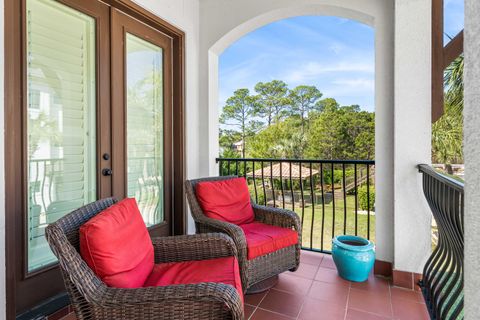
358,83
312,70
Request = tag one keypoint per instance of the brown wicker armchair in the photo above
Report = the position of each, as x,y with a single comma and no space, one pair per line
92,299
261,268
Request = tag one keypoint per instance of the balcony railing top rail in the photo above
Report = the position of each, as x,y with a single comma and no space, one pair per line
332,197
442,283
452,183
352,161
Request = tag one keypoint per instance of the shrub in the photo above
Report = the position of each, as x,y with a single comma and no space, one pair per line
260,196
363,199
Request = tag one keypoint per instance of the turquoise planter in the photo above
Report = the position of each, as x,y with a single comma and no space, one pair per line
353,256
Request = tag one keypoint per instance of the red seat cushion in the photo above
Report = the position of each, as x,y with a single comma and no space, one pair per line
263,239
221,270
117,247
226,200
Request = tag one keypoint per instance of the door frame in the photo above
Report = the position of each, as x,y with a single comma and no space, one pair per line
14,131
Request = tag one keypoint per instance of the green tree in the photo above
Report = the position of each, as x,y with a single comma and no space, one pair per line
272,100
273,141
240,109
304,100
342,133
228,137
447,132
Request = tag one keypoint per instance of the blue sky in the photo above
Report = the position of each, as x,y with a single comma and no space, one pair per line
336,55
453,18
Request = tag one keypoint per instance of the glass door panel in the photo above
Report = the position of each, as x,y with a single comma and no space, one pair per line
144,84
61,122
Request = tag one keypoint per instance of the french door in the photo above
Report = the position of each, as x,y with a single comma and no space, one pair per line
142,118
95,119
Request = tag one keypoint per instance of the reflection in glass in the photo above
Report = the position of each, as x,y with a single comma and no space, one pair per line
60,118
145,127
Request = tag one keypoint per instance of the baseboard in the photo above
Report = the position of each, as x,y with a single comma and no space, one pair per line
383,268
406,280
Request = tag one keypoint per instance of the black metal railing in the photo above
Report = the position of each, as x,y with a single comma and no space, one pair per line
442,282
332,197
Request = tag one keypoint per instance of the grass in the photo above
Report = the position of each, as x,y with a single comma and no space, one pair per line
308,212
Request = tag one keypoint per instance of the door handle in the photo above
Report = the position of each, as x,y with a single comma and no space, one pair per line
107,172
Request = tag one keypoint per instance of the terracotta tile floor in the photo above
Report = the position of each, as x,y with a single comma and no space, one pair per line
316,292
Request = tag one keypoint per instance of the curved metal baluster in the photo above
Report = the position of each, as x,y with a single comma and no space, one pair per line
254,182
312,195
281,185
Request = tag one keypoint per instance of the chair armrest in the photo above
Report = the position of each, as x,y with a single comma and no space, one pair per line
277,217
205,224
232,230
170,302
193,247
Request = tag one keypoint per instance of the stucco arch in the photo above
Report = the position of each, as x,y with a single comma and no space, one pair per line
294,10
222,22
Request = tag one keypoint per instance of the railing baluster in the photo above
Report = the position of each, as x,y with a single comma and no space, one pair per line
323,206
281,185
344,200
254,182
228,164
236,168
368,202
312,195
263,185
333,200
300,180
291,188
220,171
356,200
245,169
272,183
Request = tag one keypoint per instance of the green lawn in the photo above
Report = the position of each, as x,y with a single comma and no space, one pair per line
362,223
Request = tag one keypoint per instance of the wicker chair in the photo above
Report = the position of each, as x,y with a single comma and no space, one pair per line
92,299
261,268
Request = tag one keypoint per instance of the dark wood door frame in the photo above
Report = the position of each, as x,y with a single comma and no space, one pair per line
15,183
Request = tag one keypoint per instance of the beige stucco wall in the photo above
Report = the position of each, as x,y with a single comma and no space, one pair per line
412,132
472,160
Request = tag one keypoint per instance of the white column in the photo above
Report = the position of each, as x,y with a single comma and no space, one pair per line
472,159
412,132
384,115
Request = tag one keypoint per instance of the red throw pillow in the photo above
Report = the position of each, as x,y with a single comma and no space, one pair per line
226,200
117,247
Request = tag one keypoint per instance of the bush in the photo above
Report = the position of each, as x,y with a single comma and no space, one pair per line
260,196
363,199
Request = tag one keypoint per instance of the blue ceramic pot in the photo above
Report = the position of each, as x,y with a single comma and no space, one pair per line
353,256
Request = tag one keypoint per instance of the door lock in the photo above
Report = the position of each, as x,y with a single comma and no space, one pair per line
107,172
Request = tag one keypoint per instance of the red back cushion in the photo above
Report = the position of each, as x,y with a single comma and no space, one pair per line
226,200
117,247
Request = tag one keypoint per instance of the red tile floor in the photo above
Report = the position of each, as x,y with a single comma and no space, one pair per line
316,292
